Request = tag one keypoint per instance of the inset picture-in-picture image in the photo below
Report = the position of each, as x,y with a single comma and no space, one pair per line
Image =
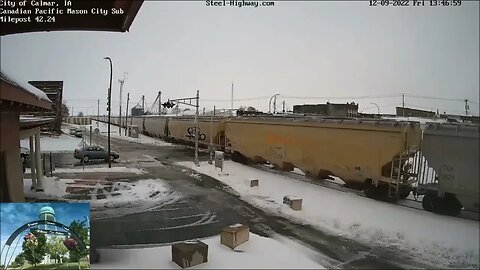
45,235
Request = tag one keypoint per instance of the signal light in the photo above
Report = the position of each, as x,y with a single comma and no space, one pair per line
168,104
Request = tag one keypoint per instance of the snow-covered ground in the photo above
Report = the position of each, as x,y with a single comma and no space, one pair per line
440,239
257,253
54,188
55,143
108,199
89,169
132,197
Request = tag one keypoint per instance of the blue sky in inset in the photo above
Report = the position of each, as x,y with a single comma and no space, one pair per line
14,215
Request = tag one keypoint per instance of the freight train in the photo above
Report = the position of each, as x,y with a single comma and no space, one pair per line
386,158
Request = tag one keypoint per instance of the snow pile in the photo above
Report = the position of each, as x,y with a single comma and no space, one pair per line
445,240
53,188
55,143
130,197
257,253
89,169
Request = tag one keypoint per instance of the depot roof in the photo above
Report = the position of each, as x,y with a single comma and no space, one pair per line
120,22
16,95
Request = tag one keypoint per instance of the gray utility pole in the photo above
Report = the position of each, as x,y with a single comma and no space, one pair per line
120,110
143,104
403,105
109,109
196,131
159,102
274,104
231,105
98,110
283,106
126,113
210,152
466,108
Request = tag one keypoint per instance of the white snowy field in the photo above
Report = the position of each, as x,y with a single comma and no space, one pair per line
55,143
257,253
440,239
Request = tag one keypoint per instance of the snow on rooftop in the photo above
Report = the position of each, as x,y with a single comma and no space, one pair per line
257,253
443,240
18,78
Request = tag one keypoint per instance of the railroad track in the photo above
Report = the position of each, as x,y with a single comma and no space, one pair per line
408,202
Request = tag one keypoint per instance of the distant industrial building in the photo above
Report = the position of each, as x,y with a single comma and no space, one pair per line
328,109
137,110
409,112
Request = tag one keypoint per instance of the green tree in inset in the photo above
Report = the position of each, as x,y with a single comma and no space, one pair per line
81,230
56,248
19,260
34,247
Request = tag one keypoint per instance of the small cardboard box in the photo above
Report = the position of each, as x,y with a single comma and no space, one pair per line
189,253
294,202
253,182
234,235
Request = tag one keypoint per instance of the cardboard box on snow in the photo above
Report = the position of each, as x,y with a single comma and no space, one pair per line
234,235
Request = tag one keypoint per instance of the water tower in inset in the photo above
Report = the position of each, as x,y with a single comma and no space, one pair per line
47,213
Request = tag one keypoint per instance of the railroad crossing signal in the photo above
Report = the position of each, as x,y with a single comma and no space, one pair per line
168,104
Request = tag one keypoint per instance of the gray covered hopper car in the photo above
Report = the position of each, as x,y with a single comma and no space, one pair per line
452,150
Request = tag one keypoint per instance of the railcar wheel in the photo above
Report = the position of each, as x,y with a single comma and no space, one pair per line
237,157
404,192
373,192
450,205
428,202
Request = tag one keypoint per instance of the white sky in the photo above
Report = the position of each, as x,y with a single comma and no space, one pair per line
296,49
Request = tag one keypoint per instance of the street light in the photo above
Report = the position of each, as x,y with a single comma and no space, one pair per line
109,99
270,101
378,108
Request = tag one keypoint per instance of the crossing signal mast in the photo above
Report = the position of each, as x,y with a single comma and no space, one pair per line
188,101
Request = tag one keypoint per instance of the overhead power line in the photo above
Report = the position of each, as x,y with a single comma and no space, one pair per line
436,98
344,97
238,99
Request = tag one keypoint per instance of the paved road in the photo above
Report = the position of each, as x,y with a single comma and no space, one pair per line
207,206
